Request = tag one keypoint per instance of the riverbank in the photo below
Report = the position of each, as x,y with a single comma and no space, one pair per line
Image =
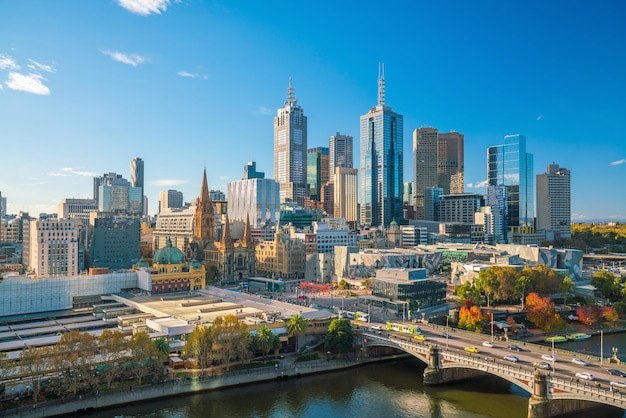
289,369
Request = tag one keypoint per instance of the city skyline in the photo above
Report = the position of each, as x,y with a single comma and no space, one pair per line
187,84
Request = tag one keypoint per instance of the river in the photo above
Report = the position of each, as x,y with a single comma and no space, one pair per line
381,390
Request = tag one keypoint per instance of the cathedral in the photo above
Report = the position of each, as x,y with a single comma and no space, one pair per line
225,260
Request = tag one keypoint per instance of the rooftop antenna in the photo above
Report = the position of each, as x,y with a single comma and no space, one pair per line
381,84
290,97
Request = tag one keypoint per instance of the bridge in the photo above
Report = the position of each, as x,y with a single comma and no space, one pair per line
552,394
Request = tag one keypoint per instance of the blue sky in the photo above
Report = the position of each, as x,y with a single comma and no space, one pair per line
86,86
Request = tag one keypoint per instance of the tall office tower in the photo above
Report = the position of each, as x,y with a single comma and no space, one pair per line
170,199
341,151
77,209
432,203
114,241
317,160
511,166
2,233
256,199
425,165
136,180
451,162
407,194
249,171
52,247
290,148
554,201
217,195
3,206
346,196
438,162
115,194
460,208
382,171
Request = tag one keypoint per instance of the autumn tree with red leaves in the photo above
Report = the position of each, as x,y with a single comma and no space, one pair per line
471,318
540,310
589,315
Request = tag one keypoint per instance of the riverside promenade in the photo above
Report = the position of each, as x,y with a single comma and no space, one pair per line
288,369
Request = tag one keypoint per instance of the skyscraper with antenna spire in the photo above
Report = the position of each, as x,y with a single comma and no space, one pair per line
381,161
290,150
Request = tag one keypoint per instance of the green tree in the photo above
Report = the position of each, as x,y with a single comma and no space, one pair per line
522,285
263,340
488,283
339,337
113,348
233,339
74,357
605,282
36,362
146,356
567,287
297,325
467,293
200,345
163,346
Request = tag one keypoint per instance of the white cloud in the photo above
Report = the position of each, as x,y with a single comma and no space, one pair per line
223,178
618,162
31,83
130,59
478,185
8,63
145,7
192,75
34,65
167,182
71,172
261,110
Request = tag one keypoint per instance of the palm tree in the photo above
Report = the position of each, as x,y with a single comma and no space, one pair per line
263,340
297,325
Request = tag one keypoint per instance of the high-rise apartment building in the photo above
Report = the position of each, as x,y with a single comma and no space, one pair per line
438,162
509,165
346,196
290,149
554,199
170,199
341,151
256,199
381,155
136,180
52,247
317,161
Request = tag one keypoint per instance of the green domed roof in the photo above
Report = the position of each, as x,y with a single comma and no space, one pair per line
142,263
393,224
195,264
169,254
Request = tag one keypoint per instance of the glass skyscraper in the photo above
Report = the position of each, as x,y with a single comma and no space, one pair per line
317,170
382,172
511,166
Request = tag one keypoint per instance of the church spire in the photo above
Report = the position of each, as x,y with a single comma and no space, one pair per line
227,241
204,219
247,234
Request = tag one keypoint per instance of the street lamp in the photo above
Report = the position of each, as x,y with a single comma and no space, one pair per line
447,330
553,358
601,346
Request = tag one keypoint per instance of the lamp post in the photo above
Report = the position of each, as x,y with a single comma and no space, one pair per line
447,330
601,346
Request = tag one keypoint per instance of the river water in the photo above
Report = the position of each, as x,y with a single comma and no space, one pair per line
388,389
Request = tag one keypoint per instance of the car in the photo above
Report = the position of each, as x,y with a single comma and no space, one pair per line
420,337
514,347
511,358
548,357
585,376
579,361
471,349
619,384
543,365
488,344
616,372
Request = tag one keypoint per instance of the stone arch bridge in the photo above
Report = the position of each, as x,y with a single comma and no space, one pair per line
551,395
